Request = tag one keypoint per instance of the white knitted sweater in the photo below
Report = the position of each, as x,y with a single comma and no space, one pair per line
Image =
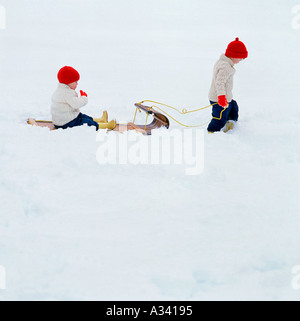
65,105
222,82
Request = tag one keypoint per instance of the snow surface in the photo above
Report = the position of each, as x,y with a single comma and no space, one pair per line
72,229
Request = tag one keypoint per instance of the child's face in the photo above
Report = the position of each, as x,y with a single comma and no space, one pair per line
236,60
73,85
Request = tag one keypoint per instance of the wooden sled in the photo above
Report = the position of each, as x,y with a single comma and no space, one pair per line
159,120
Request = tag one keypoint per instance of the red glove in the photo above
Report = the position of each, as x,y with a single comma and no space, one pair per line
222,101
82,93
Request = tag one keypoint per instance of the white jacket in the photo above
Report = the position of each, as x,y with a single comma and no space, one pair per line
222,82
65,105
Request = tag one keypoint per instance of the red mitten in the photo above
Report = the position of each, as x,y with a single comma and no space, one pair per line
82,93
222,101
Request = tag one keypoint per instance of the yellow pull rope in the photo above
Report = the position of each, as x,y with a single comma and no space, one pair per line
221,113
135,114
183,112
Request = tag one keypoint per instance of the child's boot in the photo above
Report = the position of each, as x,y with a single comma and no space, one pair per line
103,118
228,126
107,125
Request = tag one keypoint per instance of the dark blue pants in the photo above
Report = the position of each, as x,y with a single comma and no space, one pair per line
79,121
230,113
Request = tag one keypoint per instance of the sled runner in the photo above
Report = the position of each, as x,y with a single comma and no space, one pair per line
159,120
41,123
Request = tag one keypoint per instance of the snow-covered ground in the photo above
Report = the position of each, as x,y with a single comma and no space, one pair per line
73,229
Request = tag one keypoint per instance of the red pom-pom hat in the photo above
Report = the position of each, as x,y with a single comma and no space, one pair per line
67,75
236,49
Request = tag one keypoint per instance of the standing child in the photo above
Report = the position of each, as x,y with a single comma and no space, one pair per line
225,109
66,104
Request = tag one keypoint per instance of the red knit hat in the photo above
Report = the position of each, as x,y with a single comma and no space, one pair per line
236,49
67,75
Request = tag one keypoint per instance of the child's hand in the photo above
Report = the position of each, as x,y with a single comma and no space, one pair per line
82,93
222,101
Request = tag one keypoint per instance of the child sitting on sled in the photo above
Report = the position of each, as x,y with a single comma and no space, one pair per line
225,109
66,104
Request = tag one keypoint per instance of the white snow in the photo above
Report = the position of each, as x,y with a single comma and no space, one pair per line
72,229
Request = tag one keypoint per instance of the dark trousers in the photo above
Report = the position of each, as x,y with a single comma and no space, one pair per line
80,120
221,115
